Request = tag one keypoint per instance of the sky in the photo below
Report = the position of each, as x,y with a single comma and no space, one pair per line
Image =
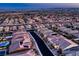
37,5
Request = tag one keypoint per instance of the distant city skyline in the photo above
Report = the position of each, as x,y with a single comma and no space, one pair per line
37,5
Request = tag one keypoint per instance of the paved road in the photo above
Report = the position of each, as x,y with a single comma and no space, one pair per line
43,48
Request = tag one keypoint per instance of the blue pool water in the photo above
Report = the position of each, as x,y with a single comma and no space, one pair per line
4,43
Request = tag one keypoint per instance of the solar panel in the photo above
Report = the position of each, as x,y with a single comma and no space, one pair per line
77,53
61,42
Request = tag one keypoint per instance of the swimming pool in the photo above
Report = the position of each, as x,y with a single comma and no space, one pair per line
4,43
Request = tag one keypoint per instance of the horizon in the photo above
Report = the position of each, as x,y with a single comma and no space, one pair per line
37,5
